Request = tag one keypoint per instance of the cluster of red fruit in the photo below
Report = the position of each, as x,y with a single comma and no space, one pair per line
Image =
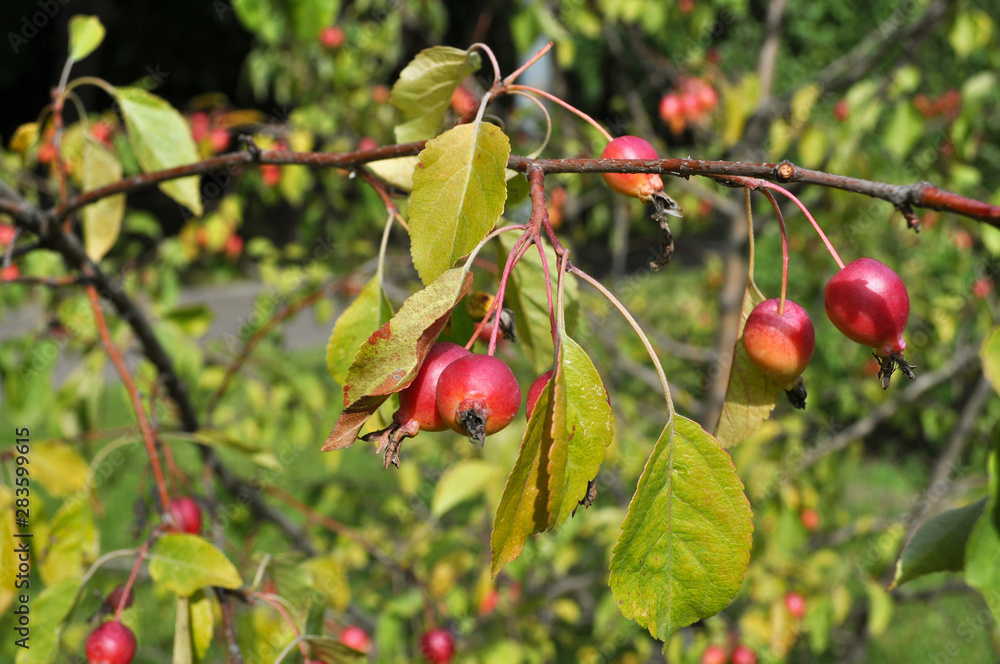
113,642
949,104
741,654
436,645
691,101
866,300
204,128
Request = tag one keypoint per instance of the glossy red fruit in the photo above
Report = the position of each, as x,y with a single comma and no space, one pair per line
186,515
707,97
331,37
437,646
354,637
478,395
796,605
743,655
714,655
111,643
418,410
220,139
7,233
780,346
637,185
535,391
868,303
670,107
690,106
114,598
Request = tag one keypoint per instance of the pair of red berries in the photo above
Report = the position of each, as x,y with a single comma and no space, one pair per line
717,655
477,395
691,102
867,301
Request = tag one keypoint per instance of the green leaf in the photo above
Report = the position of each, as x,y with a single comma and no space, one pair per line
398,172
185,563
990,356
905,128
85,34
523,508
939,544
72,544
685,543
183,653
526,297
161,138
262,18
370,310
582,428
202,623
48,611
750,395
982,552
423,92
462,481
194,319
389,360
102,221
458,194
311,16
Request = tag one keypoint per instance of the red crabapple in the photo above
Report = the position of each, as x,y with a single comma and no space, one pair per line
331,37
437,646
186,515
637,185
867,301
478,395
810,519
779,345
796,605
111,643
535,391
743,655
714,655
356,638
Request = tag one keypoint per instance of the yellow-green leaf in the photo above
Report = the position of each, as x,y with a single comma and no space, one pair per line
202,623
462,481
990,356
388,361
8,563
72,544
185,563
459,189
102,221
398,172
369,311
750,395
424,88
85,34
24,137
59,468
161,138
582,428
49,609
685,543
523,509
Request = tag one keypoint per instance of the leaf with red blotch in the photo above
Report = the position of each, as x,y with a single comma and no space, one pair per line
389,360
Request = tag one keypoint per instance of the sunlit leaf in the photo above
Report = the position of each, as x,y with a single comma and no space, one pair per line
85,34
72,544
161,138
523,508
582,428
685,543
462,481
102,221
459,190
202,623
939,544
398,172
750,395
183,652
390,358
58,467
982,552
424,88
369,311
24,137
185,563
311,16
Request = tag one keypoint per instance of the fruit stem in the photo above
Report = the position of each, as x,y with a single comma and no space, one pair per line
548,287
131,580
468,265
784,252
517,72
479,46
568,107
638,330
548,121
519,249
833,252
382,247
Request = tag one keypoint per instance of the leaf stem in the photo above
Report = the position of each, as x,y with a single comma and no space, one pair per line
479,46
829,246
535,58
784,252
638,330
567,106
